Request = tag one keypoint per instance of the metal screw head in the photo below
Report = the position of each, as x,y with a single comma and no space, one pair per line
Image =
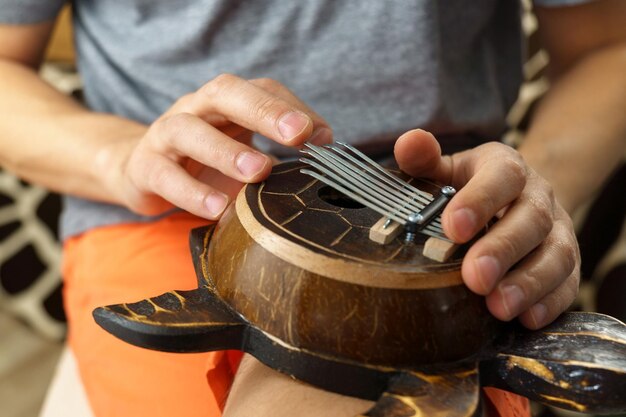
448,191
413,217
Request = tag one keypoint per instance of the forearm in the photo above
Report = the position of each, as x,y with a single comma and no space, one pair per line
261,391
578,135
50,139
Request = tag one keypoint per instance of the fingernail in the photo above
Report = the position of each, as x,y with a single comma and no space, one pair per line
291,124
216,203
512,299
464,221
250,163
539,313
321,136
488,271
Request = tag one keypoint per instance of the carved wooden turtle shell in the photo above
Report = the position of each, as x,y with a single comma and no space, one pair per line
290,276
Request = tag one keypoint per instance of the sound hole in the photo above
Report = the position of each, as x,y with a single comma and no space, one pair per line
337,198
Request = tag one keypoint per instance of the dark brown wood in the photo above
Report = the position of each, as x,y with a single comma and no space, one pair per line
290,276
321,222
453,393
577,363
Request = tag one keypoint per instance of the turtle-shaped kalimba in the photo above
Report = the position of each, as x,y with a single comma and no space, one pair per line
290,276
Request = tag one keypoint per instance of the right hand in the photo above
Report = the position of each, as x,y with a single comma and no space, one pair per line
197,155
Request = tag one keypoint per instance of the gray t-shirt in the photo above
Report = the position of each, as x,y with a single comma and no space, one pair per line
373,69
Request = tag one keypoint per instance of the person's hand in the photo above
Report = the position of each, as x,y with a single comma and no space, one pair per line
197,155
528,263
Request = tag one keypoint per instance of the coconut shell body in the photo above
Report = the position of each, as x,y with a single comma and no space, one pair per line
302,268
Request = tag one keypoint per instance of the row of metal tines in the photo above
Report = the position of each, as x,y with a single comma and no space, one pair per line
360,178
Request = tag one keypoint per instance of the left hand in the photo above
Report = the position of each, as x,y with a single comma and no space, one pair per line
528,263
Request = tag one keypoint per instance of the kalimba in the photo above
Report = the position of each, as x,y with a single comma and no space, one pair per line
291,276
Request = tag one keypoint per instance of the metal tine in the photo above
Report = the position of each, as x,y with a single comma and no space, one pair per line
404,206
355,174
369,203
386,176
375,170
398,182
403,185
412,194
340,169
363,198
340,172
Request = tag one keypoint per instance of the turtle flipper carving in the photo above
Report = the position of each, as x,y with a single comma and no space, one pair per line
454,393
177,321
577,363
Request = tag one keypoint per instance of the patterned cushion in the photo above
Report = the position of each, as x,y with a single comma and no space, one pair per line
30,283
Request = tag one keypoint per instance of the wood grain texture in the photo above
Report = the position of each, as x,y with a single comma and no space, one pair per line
373,325
286,216
451,392
384,235
438,249
577,363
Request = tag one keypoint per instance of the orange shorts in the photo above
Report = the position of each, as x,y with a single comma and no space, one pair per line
126,263
130,262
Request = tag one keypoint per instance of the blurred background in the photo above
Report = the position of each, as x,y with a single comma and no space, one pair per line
32,323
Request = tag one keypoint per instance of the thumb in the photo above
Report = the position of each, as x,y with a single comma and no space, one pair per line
418,154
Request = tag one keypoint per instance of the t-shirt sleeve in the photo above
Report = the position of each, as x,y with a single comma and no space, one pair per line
557,3
29,11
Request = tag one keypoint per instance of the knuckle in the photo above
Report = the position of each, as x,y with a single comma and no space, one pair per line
267,108
570,256
485,204
157,176
564,296
547,190
545,186
174,126
567,253
224,79
184,102
533,286
542,216
175,122
506,247
218,84
492,146
516,170
566,220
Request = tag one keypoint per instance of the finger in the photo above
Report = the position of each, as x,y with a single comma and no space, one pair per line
491,177
322,134
189,136
170,181
254,108
526,224
418,154
551,306
543,273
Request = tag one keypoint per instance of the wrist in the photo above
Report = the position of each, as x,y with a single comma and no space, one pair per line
110,161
